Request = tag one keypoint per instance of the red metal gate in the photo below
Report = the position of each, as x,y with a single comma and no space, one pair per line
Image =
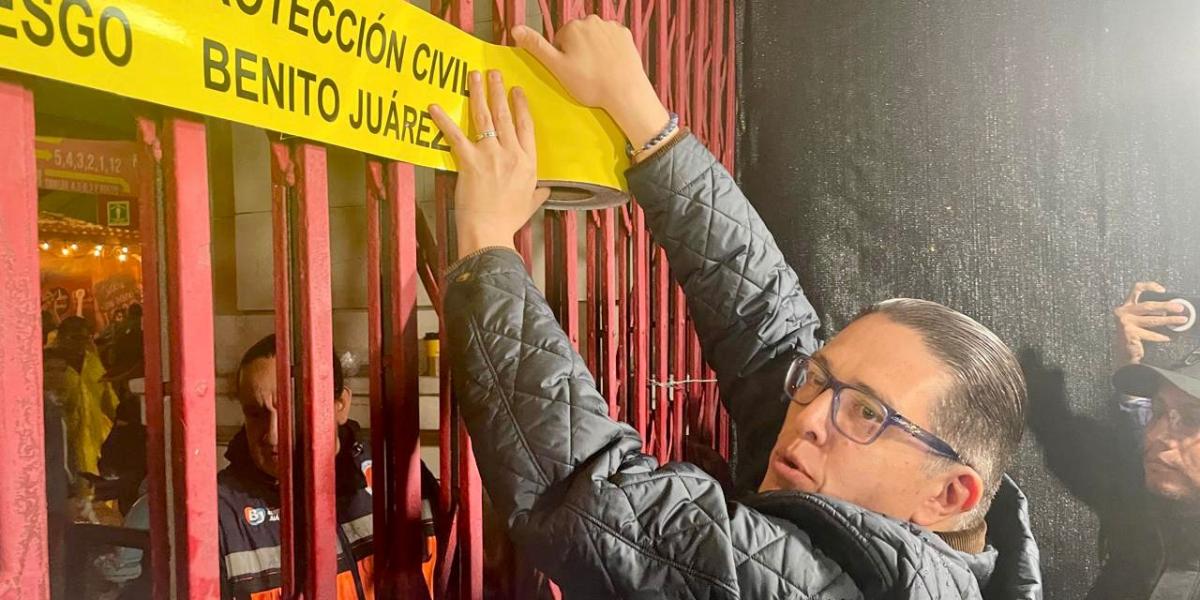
635,331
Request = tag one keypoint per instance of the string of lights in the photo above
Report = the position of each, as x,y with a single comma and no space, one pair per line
69,249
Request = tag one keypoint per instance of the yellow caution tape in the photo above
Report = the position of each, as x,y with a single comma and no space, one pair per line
353,73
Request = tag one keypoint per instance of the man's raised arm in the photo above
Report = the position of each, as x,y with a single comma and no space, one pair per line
749,310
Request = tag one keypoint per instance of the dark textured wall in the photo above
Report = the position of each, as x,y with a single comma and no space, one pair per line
1024,161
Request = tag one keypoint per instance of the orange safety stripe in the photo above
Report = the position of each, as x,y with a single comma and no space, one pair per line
346,589
345,586
275,594
366,572
428,566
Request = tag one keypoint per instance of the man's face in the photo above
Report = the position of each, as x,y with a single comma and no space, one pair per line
256,392
888,475
1172,451
73,341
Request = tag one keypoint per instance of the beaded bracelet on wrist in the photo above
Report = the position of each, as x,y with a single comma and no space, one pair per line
671,126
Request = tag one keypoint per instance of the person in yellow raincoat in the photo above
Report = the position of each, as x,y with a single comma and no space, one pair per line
88,401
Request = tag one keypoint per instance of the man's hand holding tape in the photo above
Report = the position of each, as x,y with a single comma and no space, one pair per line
497,186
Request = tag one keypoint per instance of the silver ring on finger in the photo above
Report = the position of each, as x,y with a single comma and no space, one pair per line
483,135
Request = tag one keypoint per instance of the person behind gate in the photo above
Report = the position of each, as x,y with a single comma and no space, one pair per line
872,466
248,491
1140,471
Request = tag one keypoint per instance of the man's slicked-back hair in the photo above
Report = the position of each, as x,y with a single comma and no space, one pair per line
265,348
982,414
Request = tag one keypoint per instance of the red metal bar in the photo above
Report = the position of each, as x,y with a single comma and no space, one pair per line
149,158
714,68
381,476
470,487
683,104
662,50
193,409
470,520
730,121
23,548
696,389
716,78
283,177
444,189
609,377
707,414
611,292
403,407
314,312
694,408
470,525
447,414
443,196
506,14
394,396
561,228
523,241
662,355
552,251
681,72
446,554
641,11
680,76
592,311
640,392
621,326
427,249
548,22
562,270
662,277
569,232
699,55
678,370
729,154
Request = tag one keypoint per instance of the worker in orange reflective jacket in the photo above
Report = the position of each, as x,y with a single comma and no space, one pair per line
248,492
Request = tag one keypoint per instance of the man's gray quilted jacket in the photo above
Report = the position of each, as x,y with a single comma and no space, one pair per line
604,520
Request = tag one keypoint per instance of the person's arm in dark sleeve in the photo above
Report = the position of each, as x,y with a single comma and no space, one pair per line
581,500
750,311
1095,459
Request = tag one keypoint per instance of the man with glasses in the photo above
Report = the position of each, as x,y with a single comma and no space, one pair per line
1139,469
879,456
1158,556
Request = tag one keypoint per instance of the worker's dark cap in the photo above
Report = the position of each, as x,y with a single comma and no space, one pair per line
1144,380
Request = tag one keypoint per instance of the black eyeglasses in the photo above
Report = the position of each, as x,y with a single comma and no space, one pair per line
865,418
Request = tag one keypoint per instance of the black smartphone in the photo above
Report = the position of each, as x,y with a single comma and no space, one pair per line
1189,303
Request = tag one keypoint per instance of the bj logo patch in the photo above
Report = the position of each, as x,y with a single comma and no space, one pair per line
256,516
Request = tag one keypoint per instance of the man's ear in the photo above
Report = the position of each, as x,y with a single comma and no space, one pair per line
341,406
954,493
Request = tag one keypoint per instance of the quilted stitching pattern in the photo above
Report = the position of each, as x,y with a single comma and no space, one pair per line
747,303
753,308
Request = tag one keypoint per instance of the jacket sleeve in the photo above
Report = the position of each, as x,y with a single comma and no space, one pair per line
579,497
747,304
1097,460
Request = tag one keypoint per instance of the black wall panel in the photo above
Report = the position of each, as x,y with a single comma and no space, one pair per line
1024,161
